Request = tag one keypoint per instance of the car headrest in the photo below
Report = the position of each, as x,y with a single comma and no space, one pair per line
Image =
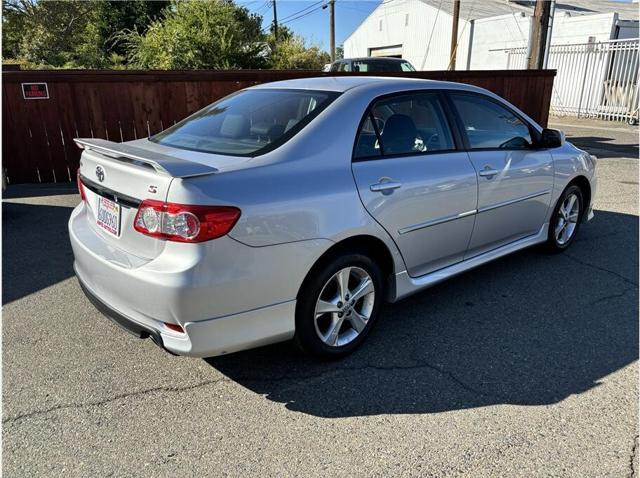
267,130
235,126
399,134
261,129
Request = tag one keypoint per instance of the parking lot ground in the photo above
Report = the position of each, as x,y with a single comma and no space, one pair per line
604,139
524,367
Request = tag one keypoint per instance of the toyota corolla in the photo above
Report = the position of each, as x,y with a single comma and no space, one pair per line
293,210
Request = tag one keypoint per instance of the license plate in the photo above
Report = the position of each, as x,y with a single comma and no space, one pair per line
109,216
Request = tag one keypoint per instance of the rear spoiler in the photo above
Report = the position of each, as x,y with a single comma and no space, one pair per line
162,163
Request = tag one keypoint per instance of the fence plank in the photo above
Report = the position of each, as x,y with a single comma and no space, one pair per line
14,144
125,105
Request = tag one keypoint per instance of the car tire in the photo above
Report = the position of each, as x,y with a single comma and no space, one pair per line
329,319
565,221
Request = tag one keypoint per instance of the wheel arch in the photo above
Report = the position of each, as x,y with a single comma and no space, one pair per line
366,244
585,186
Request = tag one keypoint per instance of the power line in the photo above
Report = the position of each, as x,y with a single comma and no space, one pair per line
300,11
513,14
263,8
351,7
433,29
290,18
305,14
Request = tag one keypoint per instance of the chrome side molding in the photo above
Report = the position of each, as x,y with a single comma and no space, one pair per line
407,285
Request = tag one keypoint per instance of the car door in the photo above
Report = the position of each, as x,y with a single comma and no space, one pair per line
515,177
414,181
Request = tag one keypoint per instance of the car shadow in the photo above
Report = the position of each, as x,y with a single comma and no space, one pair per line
529,329
604,147
36,252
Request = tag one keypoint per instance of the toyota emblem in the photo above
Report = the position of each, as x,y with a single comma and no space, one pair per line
100,173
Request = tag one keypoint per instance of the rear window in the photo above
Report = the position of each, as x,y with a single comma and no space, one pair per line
247,123
375,66
364,66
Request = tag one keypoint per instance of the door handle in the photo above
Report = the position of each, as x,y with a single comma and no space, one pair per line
488,172
385,185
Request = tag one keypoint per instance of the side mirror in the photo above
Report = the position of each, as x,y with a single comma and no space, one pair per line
552,138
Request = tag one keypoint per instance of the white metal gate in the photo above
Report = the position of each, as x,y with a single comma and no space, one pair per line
596,79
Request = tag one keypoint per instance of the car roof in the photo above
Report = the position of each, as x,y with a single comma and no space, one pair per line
374,58
344,83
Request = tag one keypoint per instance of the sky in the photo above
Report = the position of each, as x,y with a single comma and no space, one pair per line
307,18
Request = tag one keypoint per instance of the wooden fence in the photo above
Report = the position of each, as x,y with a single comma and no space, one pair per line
37,143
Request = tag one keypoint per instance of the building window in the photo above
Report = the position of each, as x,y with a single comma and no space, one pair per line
380,25
406,19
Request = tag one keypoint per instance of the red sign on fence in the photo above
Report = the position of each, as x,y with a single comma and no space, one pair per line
35,91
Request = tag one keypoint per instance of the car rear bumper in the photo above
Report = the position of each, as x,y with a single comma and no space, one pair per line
213,337
225,295
138,330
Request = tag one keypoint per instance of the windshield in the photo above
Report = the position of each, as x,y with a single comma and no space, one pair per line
406,66
247,123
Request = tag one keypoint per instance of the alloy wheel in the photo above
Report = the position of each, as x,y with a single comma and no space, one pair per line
344,306
568,216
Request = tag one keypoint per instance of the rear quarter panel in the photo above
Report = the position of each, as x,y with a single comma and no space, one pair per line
569,163
302,191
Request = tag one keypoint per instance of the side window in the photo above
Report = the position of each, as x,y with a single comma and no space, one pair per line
404,124
489,125
367,145
360,66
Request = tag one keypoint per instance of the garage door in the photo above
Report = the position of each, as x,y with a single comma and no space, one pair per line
394,51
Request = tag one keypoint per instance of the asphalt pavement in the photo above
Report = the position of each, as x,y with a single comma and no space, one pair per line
524,367
604,139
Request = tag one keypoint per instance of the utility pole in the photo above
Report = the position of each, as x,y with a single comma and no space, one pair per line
275,23
547,48
332,30
454,35
539,31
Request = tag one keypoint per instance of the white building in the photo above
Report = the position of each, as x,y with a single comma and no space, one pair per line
420,30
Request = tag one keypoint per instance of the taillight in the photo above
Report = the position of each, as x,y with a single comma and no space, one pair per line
174,327
184,223
83,196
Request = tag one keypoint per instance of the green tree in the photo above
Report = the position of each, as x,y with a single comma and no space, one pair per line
116,16
196,35
13,16
72,33
292,54
52,32
147,34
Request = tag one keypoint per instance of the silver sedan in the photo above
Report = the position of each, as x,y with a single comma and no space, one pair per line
292,210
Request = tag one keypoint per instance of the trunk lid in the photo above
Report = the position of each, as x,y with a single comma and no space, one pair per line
117,177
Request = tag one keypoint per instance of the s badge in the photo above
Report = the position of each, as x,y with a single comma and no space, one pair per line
100,173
